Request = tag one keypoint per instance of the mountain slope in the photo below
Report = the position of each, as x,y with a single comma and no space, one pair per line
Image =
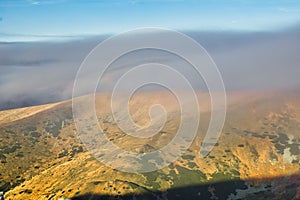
257,154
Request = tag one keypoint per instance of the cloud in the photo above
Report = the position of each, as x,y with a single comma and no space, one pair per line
41,2
9,37
18,3
283,9
41,72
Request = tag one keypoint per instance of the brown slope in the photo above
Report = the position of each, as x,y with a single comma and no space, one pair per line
253,120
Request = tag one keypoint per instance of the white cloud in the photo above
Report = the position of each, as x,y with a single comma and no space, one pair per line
283,9
40,2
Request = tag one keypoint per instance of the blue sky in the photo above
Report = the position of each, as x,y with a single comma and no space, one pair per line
33,18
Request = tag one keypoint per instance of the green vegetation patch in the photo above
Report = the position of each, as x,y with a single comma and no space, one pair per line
152,180
75,150
221,176
188,157
30,128
192,164
8,150
62,154
53,127
187,177
295,149
35,134
280,148
235,173
10,132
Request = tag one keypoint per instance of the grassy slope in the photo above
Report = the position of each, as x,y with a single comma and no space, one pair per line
41,156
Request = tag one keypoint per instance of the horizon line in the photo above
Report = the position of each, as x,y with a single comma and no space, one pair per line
16,37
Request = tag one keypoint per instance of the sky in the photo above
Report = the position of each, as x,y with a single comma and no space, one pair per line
60,19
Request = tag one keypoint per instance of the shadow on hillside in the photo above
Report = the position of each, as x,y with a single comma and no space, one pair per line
284,188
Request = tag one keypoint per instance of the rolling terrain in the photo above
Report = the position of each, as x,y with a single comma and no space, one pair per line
256,157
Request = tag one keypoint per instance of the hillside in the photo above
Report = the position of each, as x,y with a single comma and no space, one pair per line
256,157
